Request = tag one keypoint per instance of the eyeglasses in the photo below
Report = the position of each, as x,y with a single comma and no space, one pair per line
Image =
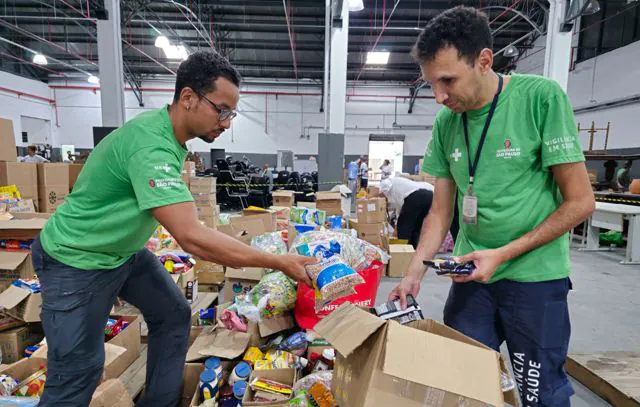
224,114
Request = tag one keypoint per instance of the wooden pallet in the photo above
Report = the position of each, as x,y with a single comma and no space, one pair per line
204,301
135,375
614,376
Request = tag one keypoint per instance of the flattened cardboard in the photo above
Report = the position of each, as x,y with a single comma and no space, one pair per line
14,341
220,342
283,376
23,226
53,174
21,304
401,255
8,150
111,393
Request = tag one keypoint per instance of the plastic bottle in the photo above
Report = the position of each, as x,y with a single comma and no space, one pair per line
240,373
214,364
239,388
208,385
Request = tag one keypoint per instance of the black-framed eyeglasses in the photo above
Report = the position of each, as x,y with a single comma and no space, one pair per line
224,114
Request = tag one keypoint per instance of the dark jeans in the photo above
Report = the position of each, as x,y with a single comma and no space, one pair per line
533,318
415,208
75,308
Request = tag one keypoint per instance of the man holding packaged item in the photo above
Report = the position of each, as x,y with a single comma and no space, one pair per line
92,249
509,148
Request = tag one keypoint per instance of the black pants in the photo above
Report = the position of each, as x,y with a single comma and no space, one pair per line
364,183
415,208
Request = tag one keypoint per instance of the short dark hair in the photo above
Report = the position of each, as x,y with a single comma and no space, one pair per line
32,148
464,28
201,69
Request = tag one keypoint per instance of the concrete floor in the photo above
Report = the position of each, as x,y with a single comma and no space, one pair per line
604,306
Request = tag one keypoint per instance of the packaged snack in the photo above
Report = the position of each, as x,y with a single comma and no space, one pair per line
300,400
393,310
332,279
32,284
296,344
307,216
283,360
321,396
33,385
273,295
335,222
304,384
270,386
252,355
7,385
270,243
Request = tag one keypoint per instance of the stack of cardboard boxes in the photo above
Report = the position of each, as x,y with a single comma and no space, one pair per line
53,186
24,176
203,190
372,221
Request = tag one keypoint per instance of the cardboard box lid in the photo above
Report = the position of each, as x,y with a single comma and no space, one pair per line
328,196
224,343
282,193
458,368
247,273
348,327
12,260
13,296
401,248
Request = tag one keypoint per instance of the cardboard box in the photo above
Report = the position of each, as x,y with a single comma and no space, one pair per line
203,185
371,232
23,175
129,339
220,342
53,174
310,205
204,199
190,382
24,368
401,255
21,304
208,273
50,197
8,150
74,172
8,322
371,210
182,279
13,266
209,209
14,341
244,228
111,393
283,198
374,191
444,367
188,172
283,376
268,216
241,281
23,225
330,202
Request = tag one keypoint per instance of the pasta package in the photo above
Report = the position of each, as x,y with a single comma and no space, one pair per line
273,295
332,279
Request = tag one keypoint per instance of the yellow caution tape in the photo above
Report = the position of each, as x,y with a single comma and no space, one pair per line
607,199
281,185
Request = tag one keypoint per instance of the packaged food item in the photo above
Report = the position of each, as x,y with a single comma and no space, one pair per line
239,389
7,385
284,359
335,222
296,343
231,321
270,243
304,384
114,327
307,216
300,400
208,385
326,361
273,295
448,266
29,350
30,284
332,279
207,316
321,396
252,355
393,310
16,245
261,396
33,385
8,401
215,365
240,372
271,386
273,343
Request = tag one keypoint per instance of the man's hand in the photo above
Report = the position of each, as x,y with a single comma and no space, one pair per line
408,285
293,266
486,261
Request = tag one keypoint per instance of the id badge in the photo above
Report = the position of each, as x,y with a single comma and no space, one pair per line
470,210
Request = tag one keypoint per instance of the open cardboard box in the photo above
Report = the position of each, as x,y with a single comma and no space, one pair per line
283,376
241,281
14,266
382,363
208,272
244,228
21,303
264,328
14,341
23,225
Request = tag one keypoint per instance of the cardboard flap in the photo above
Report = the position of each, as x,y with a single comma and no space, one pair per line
12,260
111,393
201,342
279,323
112,352
226,344
348,327
247,273
13,296
457,367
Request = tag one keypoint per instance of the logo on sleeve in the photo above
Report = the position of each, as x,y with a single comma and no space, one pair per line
162,167
508,151
456,155
152,183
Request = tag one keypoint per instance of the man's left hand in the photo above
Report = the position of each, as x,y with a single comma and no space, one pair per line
486,261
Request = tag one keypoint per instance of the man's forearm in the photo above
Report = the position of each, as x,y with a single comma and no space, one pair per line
568,215
434,230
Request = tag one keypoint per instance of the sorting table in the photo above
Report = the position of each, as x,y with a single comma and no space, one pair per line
611,216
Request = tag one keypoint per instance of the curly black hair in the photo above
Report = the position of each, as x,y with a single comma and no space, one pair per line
201,69
464,28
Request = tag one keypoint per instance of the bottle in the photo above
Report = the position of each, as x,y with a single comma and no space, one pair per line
208,385
326,361
240,373
214,364
239,388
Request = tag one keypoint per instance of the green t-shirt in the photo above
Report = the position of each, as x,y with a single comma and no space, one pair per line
107,217
533,129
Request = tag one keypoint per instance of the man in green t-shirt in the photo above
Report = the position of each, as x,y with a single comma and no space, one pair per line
91,251
508,147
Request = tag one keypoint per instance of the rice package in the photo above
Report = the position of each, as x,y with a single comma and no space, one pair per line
307,216
270,243
273,295
332,279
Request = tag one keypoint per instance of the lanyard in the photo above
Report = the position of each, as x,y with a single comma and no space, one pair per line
483,136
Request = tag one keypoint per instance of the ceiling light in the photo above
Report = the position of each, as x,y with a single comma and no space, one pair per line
511,51
93,79
162,41
377,57
355,5
39,59
175,52
592,8
182,51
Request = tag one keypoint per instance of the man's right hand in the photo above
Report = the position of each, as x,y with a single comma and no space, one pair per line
408,285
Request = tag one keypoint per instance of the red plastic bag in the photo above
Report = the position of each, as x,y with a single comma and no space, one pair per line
365,296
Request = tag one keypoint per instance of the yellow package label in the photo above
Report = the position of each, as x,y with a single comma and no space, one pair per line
253,354
9,192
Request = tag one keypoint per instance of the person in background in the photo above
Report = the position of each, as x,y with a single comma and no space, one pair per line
412,201
92,249
364,172
266,172
623,178
518,200
32,157
385,169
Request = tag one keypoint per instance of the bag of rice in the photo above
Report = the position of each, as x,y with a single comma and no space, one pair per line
332,279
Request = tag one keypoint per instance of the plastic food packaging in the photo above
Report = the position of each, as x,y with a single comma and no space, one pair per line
8,385
332,279
285,359
231,321
296,344
32,284
270,243
33,385
321,396
271,386
273,295
252,355
393,310
307,216
300,400
304,384
8,401
335,222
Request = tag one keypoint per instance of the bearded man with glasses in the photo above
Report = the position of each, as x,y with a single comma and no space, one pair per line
92,250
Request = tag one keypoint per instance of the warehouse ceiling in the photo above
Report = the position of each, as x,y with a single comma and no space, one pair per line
256,35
